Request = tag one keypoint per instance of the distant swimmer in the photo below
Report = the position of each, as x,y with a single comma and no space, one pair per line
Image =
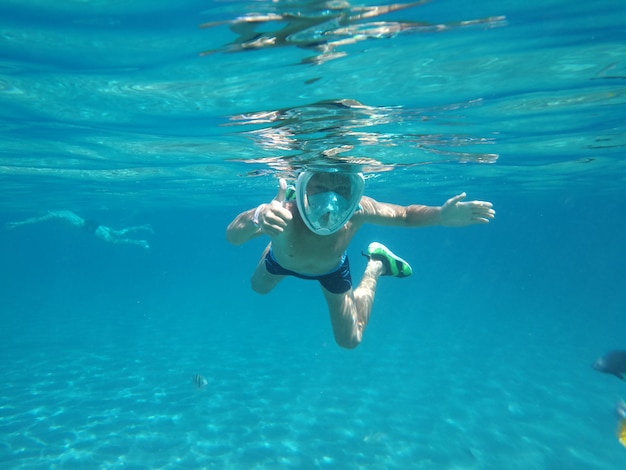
613,362
199,381
90,226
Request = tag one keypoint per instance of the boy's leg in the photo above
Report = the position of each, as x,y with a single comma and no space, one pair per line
263,281
350,311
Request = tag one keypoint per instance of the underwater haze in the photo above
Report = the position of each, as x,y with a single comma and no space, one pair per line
168,119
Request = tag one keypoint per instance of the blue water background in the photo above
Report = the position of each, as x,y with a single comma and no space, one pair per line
480,360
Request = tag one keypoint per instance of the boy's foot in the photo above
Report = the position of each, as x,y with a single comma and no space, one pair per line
394,266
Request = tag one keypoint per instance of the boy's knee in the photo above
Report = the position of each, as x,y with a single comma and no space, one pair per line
259,289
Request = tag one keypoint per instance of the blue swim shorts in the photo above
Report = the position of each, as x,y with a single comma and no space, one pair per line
337,281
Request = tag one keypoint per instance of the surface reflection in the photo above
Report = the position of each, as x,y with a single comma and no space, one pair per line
324,26
348,131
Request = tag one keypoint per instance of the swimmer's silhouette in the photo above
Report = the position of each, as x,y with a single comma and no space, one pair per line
89,225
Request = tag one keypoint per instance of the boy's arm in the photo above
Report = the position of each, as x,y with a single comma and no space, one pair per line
453,213
269,219
242,228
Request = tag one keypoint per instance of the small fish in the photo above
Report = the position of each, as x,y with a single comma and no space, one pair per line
613,362
199,381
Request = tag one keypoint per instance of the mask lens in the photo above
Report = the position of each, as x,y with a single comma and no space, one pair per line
326,208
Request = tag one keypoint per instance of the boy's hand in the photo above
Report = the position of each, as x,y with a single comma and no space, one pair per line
455,213
274,217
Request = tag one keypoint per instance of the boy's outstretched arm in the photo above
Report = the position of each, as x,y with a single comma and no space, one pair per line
454,213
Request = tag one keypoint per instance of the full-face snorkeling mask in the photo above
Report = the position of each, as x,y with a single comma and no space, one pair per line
327,199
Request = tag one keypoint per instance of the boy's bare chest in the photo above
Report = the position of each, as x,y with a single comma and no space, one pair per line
301,250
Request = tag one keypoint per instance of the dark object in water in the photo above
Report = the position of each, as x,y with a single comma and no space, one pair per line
199,381
613,362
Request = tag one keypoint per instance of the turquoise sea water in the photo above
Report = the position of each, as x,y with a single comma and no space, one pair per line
133,115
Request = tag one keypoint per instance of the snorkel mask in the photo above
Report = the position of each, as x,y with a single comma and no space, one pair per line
327,199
